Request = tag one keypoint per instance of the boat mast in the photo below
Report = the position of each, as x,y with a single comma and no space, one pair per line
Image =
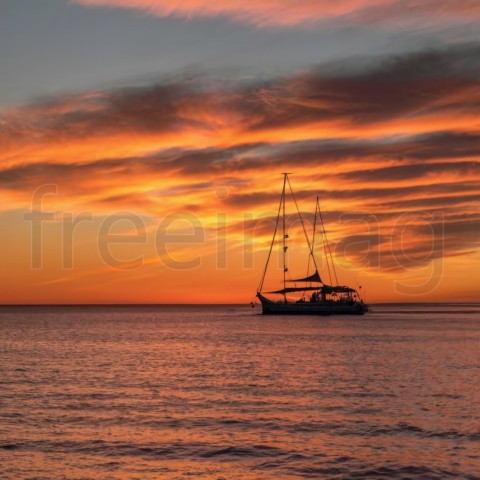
285,175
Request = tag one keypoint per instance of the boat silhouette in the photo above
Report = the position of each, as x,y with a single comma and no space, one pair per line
316,297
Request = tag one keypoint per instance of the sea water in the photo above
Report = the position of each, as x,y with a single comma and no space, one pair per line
222,392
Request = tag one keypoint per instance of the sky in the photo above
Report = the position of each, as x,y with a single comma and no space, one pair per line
142,146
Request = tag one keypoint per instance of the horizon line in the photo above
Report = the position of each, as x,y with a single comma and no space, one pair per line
6,305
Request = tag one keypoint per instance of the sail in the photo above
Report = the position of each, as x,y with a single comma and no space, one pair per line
315,277
294,289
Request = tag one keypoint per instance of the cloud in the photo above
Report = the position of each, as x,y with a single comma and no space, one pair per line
287,13
158,108
249,158
383,141
416,171
405,86
413,241
418,94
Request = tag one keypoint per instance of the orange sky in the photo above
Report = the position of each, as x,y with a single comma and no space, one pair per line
165,192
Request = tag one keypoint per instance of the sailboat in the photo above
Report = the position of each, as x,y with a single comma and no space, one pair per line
315,296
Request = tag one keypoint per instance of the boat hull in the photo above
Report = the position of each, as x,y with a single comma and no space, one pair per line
311,308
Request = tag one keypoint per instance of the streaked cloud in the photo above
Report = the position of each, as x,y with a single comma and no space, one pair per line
419,93
292,13
392,144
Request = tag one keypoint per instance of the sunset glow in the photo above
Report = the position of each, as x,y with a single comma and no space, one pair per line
165,190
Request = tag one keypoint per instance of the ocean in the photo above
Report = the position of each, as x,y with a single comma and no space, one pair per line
224,393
